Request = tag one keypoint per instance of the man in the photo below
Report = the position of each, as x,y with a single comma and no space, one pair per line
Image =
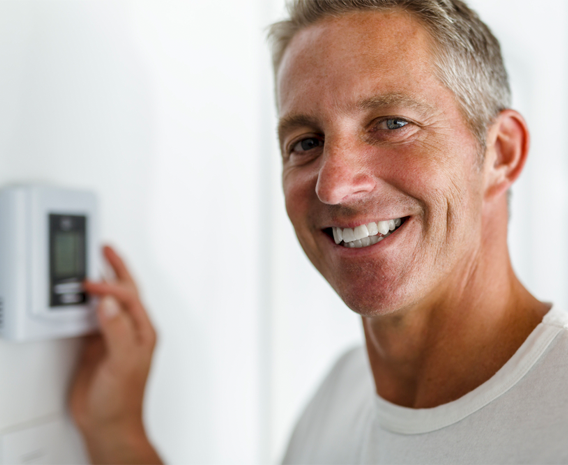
398,149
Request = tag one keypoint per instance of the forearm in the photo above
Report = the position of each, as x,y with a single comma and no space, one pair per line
120,446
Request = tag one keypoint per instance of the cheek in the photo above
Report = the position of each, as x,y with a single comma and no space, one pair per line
436,170
299,190
443,177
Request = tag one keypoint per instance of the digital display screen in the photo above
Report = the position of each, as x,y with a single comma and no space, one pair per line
68,260
69,254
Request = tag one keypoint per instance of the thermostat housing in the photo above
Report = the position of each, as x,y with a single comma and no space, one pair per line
48,246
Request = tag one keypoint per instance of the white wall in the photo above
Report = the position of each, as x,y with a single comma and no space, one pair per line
534,37
164,108
155,106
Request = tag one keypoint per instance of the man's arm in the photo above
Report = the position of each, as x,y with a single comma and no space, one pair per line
108,391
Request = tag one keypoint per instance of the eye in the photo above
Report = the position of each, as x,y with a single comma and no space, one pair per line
391,129
307,144
393,123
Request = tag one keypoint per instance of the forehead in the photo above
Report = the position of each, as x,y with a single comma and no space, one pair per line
338,61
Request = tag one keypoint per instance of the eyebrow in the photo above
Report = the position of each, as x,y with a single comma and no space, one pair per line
294,121
376,102
394,100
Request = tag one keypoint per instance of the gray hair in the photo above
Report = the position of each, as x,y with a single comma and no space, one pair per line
467,56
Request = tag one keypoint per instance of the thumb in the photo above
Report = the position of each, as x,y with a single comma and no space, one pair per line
116,328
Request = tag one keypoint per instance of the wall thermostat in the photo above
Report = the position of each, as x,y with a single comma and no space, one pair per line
48,246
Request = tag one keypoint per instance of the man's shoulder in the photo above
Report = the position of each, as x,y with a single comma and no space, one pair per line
353,362
335,418
349,378
556,317
556,352
545,377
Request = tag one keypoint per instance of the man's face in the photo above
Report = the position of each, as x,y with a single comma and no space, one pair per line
369,134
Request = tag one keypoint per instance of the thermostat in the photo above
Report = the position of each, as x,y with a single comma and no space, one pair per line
48,246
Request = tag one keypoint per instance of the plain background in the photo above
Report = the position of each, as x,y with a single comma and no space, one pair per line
165,109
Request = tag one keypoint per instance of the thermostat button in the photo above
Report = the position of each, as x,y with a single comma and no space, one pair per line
71,298
68,288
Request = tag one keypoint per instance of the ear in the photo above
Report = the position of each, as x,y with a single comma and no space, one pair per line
508,142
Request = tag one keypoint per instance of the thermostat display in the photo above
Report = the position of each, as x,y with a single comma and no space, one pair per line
48,247
68,259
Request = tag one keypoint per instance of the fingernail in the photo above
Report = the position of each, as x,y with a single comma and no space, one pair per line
110,307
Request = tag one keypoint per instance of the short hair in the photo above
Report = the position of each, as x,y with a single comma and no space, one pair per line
467,56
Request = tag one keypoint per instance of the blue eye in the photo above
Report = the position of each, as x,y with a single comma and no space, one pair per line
395,123
307,144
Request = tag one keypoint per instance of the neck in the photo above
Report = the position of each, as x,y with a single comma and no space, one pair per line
436,352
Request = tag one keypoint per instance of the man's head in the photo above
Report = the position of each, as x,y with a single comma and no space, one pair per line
370,131
466,56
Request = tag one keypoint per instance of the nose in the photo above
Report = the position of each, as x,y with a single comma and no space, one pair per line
343,176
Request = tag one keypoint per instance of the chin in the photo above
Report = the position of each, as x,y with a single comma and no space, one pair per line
372,305
372,298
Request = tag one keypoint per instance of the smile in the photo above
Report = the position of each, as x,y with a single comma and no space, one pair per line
366,234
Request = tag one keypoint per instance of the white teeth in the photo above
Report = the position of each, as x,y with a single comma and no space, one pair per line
365,235
383,227
375,239
337,235
360,232
373,229
348,235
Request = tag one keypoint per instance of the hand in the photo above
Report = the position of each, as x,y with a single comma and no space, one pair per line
108,391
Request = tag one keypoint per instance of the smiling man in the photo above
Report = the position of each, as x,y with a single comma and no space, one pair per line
398,150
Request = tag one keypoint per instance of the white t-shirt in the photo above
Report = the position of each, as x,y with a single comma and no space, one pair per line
520,415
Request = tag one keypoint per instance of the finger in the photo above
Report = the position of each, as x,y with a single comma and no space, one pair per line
123,293
118,266
131,303
117,329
